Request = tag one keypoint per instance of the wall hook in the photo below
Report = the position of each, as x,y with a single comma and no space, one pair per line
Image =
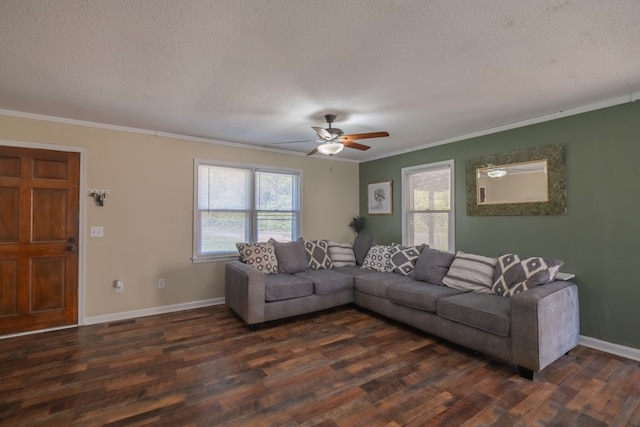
99,196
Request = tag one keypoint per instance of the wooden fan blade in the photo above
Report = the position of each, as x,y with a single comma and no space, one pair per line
356,136
322,132
312,152
356,145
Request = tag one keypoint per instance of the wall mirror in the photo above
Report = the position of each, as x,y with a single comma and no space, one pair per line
524,182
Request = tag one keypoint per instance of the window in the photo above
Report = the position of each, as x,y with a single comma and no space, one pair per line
242,204
427,205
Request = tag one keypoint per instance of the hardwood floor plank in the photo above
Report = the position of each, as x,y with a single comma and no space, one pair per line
341,367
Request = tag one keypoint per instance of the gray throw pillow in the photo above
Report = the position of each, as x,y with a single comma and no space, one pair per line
318,252
432,265
292,256
470,272
403,258
514,274
361,247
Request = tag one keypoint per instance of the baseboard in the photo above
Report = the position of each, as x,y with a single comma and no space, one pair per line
124,315
607,347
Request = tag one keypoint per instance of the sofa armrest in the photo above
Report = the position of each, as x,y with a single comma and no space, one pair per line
244,289
545,324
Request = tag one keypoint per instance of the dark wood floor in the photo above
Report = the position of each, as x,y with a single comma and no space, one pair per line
341,367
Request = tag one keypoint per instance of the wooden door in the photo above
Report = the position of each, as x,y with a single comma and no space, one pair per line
39,224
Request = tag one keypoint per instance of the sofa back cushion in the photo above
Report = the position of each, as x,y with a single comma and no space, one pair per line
432,265
514,274
341,254
469,272
361,247
292,256
261,256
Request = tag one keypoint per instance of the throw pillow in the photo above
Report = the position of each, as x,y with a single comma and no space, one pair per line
361,247
432,265
514,274
291,256
403,258
470,272
318,251
378,258
261,256
341,254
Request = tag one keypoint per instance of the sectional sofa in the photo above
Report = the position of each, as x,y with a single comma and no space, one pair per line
530,323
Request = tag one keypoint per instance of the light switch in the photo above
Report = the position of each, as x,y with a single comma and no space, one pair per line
96,231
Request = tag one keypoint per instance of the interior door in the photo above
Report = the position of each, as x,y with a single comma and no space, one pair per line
39,224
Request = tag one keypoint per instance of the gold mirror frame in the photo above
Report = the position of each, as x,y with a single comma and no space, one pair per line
553,154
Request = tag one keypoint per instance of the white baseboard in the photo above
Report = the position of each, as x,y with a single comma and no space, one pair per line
124,315
617,349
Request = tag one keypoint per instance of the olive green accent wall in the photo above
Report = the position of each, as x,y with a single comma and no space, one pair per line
598,238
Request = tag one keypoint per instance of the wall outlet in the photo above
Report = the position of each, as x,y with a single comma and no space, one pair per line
160,283
119,286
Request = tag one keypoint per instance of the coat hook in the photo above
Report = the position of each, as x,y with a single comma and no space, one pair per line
99,196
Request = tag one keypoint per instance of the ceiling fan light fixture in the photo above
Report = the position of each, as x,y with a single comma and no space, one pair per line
330,148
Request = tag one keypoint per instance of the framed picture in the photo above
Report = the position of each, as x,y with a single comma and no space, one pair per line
380,198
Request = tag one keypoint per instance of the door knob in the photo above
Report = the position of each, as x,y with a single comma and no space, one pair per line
70,248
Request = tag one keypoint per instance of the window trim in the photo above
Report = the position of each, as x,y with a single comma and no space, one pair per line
405,172
229,256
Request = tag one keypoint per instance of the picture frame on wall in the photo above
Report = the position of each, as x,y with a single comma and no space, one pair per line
380,198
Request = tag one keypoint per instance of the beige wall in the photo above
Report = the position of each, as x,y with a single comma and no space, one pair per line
148,215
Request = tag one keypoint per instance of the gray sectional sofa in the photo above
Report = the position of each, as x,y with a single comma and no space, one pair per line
530,329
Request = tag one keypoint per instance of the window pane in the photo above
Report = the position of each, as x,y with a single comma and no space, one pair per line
223,188
429,228
429,190
275,191
277,225
220,231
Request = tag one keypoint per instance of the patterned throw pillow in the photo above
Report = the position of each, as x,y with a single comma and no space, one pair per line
470,272
514,274
403,258
261,256
341,254
318,251
378,258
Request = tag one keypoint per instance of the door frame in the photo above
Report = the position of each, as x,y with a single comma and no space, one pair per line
82,223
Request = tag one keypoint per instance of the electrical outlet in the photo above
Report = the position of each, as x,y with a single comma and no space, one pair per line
119,286
160,283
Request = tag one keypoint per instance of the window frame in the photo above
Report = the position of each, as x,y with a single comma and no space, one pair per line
406,172
253,211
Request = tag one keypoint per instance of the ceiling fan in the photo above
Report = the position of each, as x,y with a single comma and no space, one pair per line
333,140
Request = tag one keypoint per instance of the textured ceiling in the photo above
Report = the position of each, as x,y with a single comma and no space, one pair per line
264,71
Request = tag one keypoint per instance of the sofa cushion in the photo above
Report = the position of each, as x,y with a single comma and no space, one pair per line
361,247
490,313
422,296
285,286
378,258
403,258
261,256
376,283
351,270
432,265
292,256
327,281
514,274
469,272
341,254
318,252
